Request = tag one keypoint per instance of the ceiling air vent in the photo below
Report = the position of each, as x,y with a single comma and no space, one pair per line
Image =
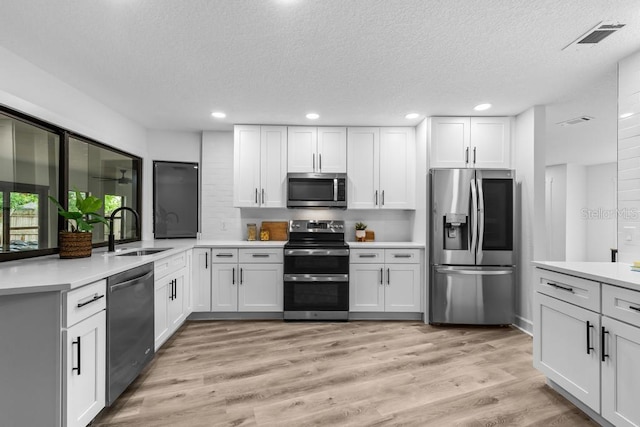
575,121
595,35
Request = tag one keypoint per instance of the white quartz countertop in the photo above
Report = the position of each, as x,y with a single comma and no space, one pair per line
386,245
614,273
239,243
50,273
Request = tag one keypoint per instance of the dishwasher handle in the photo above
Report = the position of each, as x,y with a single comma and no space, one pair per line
126,284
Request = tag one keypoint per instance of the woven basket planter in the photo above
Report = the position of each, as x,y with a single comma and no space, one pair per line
74,245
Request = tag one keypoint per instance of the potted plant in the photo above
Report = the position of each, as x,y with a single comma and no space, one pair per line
76,242
360,231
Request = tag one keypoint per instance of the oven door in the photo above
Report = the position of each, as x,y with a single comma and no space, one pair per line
316,261
318,297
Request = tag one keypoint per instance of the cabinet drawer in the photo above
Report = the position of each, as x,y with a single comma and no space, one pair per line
402,256
84,302
622,304
169,265
262,255
367,256
574,290
224,255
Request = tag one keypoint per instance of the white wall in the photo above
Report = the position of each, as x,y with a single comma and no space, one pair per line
174,146
601,204
576,239
420,228
530,174
556,212
29,89
629,159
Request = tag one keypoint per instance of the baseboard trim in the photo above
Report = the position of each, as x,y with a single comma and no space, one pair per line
525,325
584,408
236,316
374,315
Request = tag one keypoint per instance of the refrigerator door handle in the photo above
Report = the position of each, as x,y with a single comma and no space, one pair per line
474,216
480,228
449,270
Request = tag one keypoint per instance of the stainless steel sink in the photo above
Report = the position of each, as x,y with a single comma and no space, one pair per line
144,251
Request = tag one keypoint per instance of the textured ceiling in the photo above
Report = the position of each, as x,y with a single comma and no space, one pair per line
167,63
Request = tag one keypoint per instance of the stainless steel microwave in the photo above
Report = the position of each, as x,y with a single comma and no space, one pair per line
317,190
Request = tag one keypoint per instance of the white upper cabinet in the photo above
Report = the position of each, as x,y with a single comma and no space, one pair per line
363,167
449,142
312,149
260,166
480,142
332,150
381,168
491,142
397,168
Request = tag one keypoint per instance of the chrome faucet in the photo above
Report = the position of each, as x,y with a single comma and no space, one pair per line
112,237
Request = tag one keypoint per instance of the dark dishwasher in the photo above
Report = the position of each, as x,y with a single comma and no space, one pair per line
130,317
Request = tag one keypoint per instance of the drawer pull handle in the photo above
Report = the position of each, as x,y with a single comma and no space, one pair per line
78,353
564,288
260,255
224,255
402,255
602,343
95,298
634,308
589,348
367,256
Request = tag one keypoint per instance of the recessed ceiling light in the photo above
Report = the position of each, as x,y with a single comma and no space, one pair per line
313,116
218,115
412,116
482,107
625,115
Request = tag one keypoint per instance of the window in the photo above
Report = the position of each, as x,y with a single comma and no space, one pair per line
29,172
31,155
109,175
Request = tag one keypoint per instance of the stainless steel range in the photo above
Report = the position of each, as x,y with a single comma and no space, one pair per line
316,271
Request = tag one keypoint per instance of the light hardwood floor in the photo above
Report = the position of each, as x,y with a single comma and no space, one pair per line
359,373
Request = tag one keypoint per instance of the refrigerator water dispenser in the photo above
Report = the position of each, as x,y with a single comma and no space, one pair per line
456,231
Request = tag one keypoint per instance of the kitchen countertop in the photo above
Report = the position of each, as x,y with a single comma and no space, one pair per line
386,245
50,273
614,273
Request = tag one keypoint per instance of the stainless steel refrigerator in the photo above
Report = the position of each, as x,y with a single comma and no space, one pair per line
472,246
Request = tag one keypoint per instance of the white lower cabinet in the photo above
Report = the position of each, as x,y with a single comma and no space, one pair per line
171,296
591,353
392,286
201,280
562,352
84,354
253,283
85,348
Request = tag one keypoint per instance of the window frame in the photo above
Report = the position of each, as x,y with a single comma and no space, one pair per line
63,179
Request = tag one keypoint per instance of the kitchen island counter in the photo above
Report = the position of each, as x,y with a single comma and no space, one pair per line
614,273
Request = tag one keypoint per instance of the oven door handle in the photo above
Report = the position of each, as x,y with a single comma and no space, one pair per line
316,252
316,277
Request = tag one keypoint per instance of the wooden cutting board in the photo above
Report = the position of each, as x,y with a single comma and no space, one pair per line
278,230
